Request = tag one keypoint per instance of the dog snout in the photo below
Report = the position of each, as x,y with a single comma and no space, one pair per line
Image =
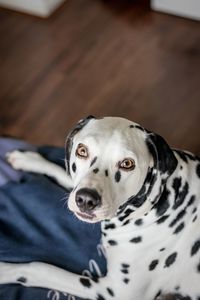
87,199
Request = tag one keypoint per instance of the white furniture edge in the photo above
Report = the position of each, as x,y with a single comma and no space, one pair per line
42,8
183,8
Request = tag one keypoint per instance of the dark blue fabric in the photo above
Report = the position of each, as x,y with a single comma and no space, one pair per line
36,225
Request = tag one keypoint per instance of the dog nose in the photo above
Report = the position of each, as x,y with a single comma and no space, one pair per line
87,199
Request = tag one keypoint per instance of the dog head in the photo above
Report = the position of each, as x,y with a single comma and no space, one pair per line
113,164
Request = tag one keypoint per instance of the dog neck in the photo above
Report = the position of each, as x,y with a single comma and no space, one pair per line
151,205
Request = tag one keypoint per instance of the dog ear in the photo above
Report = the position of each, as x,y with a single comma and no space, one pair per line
164,158
69,140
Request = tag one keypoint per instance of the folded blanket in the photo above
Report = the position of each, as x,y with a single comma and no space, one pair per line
36,225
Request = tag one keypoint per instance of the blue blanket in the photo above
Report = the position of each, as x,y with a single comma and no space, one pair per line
36,225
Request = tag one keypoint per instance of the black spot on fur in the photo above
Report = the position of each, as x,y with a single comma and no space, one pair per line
182,155
122,218
139,127
179,228
153,264
195,248
106,173
95,279
86,282
182,194
100,297
149,175
136,240
127,212
198,267
158,294
194,219
117,176
112,242
194,210
162,249
132,126
179,216
93,161
198,170
126,280
22,280
163,203
162,219
110,292
137,201
191,156
74,167
150,180
177,287
125,265
126,222
170,259
139,222
176,185
125,271
96,170
191,201
110,226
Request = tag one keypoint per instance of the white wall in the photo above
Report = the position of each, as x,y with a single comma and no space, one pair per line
185,8
41,8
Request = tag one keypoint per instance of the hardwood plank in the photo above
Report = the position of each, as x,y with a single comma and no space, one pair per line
102,58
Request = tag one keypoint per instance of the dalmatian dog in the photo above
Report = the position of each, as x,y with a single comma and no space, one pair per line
146,197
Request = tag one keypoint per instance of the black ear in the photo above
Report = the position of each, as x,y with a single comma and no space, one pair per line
164,158
69,140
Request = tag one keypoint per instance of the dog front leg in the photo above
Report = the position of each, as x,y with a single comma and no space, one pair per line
34,162
38,274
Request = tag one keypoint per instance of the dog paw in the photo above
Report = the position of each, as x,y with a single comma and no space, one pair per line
25,161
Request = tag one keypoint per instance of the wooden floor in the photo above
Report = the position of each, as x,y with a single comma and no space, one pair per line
102,58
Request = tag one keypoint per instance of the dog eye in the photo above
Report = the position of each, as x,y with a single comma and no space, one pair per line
82,151
128,164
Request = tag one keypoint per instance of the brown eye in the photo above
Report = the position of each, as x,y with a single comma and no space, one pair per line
128,164
82,151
